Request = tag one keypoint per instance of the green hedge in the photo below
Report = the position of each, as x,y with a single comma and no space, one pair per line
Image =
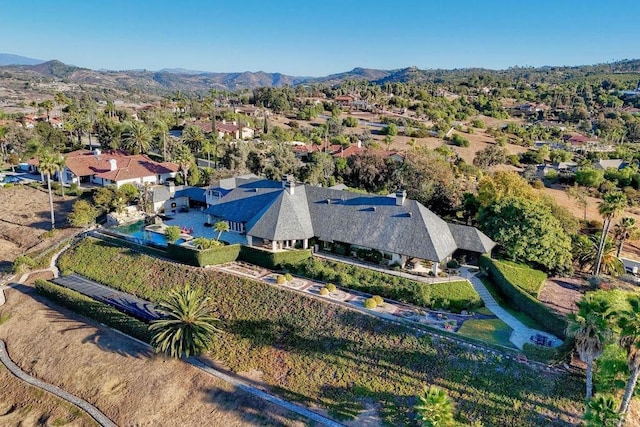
200,258
93,309
528,279
273,259
457,295
523,301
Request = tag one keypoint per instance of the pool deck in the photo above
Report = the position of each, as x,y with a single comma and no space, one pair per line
196,219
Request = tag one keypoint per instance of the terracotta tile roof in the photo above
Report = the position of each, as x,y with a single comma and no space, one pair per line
139,166
348,152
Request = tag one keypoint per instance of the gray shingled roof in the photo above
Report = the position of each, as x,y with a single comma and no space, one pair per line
271,212
471,239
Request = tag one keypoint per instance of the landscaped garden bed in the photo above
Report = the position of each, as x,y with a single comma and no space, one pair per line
323,354
454,295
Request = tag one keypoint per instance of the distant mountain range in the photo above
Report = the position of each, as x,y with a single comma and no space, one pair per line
190,81
9,59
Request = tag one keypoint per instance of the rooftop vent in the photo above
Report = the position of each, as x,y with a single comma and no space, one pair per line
408,214
328,201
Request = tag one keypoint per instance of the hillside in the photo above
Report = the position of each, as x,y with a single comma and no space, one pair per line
10,59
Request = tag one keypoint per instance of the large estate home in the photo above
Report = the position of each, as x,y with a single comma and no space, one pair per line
279,215
112,168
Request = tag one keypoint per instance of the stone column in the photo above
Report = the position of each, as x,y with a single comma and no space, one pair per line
305,244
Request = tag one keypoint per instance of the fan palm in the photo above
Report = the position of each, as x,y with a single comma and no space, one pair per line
613,202
183,158
435,408
629,323
60,163
48,166
137,137
194,138
590,329
623,231
221,227
587,252
601,412
187,327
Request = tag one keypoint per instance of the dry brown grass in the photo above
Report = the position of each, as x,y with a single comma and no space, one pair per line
25,217
126,381
24,405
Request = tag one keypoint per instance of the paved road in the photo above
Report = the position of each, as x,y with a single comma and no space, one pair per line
125,302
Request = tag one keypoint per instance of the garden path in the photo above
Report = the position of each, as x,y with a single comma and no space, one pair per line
521,333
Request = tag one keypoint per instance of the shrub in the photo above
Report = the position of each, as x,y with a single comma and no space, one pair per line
523,301
331,287
8,185
459,140
288,277
22,263
172,233
478,123
378,299
84,214
281,280
93,309
324,291
74,190
453,264
370,303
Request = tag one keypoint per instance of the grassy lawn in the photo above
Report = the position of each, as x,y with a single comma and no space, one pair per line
322,354
526,320
491,331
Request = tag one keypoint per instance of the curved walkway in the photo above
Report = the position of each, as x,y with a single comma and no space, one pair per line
521,333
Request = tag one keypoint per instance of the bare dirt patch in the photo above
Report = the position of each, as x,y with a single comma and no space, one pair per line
561,294
25,218
126,381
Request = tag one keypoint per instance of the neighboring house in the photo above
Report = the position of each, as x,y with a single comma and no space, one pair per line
583,143
280,215
232,129
112,168
611,163
252,111
345,100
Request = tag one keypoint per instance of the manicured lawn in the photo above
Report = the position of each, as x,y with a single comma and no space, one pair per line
322,354
522,275
492,331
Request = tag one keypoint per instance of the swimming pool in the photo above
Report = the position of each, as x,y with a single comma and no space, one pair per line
139,234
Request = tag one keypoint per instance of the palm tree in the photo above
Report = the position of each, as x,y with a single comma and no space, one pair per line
623,231
194,138
184,158
435,408
136,137
586,251
47,104
48,166
221,227
161,130
590,329
60,163
187,327
629,323
612,204
601,412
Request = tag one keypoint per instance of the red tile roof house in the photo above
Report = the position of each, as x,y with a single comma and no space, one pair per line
113,168
224,128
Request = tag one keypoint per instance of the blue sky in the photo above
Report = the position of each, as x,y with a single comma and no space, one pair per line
318,38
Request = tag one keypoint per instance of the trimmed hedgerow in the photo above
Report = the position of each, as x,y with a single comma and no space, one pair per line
93,309
530,280
455,295
201,257
272,260
524,301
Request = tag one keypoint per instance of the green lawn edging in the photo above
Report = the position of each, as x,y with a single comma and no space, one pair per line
524,301
93,309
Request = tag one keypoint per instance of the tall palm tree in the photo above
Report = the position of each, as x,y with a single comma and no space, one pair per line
612,204
161,130
136,137
221,227
435,408
194,138
590,329
623,231
187,327
48,166
183,158
47,104
587,252
60,163
601,412
629,323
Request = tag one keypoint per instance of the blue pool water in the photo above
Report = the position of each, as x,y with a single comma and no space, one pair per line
136,230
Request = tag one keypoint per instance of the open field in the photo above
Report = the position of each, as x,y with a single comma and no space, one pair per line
324,355
25,217
125,380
